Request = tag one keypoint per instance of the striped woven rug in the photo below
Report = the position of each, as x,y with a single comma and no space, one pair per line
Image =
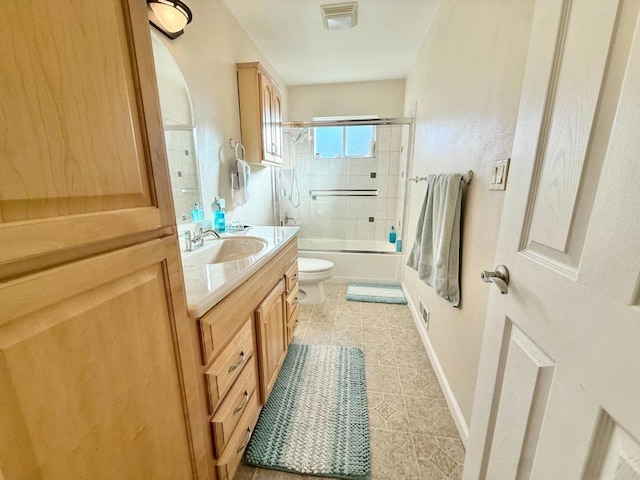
376,293
316,420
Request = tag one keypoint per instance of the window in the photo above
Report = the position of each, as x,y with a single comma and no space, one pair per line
340,142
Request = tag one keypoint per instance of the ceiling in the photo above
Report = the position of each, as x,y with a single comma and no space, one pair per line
291,34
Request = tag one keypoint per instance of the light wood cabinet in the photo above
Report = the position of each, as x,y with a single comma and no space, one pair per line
272,337
260,114
98,370
244,342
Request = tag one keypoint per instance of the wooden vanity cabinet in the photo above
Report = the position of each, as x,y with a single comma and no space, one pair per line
244,342
260,114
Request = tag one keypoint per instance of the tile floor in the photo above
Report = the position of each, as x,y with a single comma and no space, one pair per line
412,433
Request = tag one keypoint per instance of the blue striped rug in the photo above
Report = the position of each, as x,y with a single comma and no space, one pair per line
316,421
376,293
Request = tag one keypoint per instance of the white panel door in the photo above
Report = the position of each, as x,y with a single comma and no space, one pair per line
558,391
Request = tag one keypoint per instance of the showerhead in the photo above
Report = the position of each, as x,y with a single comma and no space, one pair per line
296,137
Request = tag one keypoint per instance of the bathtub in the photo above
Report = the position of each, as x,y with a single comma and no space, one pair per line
355,259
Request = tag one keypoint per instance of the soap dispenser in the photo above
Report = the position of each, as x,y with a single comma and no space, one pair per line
392,235
197,213
219,218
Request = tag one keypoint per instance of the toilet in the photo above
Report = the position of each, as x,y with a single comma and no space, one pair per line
312,272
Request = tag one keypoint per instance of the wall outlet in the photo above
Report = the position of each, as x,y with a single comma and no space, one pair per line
424,312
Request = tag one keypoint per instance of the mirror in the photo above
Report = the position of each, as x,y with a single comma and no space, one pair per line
179,131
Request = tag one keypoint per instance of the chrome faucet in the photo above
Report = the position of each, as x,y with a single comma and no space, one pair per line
287,218
198,239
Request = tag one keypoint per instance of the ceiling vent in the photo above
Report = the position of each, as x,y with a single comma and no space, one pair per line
340,16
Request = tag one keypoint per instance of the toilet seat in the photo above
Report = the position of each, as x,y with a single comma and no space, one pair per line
314,265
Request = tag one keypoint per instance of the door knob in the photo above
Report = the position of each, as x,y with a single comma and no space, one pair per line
499,277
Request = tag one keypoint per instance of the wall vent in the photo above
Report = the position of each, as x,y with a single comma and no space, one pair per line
424,312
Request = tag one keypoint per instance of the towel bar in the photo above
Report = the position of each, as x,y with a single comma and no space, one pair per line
346,192
466,177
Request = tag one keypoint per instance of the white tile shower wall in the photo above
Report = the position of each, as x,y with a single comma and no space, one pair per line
184,172
354,218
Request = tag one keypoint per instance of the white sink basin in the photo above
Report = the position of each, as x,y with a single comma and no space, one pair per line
227,249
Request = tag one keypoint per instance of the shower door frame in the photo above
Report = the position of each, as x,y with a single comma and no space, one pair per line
409,121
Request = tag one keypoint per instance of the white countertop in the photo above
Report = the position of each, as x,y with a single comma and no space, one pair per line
207,284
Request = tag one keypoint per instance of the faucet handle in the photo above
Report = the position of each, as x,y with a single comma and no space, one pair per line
187,240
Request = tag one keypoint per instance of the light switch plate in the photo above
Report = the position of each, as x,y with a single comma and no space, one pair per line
499,174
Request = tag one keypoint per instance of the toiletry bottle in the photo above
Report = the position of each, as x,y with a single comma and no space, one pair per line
392,235
219,219
195,213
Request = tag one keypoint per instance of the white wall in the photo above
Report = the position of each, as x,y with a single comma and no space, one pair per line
466,81
207,53
383,98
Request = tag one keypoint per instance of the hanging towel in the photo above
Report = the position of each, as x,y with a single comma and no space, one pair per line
436,250
240,178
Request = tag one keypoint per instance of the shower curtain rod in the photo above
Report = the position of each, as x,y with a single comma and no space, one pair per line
339,123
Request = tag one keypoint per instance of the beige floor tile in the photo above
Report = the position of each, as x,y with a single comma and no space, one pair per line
393,456
381,378
412,356
375,320
347,336
379,354
351,318
430,416
245,472
404,322
264,474
373,309
305,311
457,473
387,411
396,309
376,335
402,336
349,307
452,447
434,461
419,382
322,317
327,306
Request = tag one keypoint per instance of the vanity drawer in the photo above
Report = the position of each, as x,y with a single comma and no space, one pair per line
291,276
233,407
292,323
292,301
228,464
228,365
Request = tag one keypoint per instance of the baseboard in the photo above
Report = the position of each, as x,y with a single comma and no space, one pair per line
452,402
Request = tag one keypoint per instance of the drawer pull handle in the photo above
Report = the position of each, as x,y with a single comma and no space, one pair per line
242,405
245,441
238,363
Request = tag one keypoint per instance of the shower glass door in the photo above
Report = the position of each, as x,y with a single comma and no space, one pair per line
344,186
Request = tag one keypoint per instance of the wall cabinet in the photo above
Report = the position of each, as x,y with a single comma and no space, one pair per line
260,114
244,341
97,358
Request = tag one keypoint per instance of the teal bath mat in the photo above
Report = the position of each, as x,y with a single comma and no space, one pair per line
316,420
376,293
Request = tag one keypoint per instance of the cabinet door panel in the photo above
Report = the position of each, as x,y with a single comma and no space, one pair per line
81,147
267,117
89,373
272,338
276,118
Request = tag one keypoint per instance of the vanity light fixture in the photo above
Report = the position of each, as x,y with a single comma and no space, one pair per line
169,16
340,16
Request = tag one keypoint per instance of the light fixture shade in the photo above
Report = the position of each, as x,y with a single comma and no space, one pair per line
169,16
340,16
